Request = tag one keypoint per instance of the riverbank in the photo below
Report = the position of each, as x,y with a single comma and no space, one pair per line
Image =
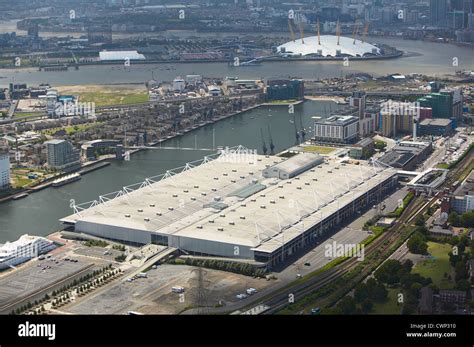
103,162
270,59
85,169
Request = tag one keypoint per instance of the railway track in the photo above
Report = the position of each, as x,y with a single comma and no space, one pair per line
383,244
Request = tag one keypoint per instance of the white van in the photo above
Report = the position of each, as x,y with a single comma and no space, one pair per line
177,290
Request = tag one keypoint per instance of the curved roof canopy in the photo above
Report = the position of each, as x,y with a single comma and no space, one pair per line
329,47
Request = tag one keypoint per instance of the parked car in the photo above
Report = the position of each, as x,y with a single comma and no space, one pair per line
251,291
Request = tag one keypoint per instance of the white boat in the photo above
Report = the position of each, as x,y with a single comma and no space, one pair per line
24,249
66,179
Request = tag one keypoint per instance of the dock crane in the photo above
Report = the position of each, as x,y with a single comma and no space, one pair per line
338,31
354,34
264,145
303,131
272,146
290,26
297,134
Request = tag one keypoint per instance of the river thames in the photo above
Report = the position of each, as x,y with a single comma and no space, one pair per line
38,214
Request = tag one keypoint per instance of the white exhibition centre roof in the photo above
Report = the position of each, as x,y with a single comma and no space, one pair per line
120,55
328,46
256,212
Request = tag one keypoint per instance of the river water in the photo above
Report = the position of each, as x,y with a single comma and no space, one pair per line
38,214
423,57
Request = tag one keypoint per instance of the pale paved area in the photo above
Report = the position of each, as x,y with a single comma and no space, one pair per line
153,295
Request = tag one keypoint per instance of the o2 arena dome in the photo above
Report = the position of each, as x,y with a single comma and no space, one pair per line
328,47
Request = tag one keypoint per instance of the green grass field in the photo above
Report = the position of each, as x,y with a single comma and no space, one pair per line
114,98
71,130
436,266
390,306
318,149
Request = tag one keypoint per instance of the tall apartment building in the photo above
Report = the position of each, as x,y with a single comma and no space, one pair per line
438,12
62,155
337,129
4,167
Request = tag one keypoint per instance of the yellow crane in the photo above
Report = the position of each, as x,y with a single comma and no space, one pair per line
338,31
356,29
366,32
301,32
290,26
319,35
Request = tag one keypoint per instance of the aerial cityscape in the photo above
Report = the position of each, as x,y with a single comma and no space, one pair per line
237,157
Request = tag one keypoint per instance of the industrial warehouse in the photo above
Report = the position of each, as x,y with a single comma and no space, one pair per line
237,204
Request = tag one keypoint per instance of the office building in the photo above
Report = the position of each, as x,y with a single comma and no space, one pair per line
285,89
438,12
407,155
463,198
4,167
62,155
435,127
337,129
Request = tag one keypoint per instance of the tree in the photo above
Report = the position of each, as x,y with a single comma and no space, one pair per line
366,306
467,219
378,293
463,285
420,220
361,293
407,265
415,289
417,244
388,272
454,219
461,271
347,305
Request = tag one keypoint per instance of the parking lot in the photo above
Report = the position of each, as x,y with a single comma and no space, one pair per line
98,252
153,295
36,275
